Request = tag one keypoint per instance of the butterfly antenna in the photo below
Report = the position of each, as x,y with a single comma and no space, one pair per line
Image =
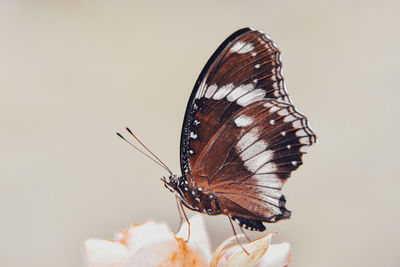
137,139
138,149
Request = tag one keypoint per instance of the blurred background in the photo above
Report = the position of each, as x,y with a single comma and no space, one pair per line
74,72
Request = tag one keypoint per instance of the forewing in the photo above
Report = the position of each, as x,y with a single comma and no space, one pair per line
245,68
250,58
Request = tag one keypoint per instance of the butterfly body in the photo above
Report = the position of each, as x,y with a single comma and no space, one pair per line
193,197
241,135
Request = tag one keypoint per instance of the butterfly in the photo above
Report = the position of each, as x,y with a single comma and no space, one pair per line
241,135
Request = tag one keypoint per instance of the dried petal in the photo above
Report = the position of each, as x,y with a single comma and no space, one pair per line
278,255
236,256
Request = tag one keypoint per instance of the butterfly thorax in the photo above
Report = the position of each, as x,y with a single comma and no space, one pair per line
194,197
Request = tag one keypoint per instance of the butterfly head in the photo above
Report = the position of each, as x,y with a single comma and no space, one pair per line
171,183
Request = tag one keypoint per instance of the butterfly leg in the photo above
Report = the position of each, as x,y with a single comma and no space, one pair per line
244,233
234,232
180,212
187,220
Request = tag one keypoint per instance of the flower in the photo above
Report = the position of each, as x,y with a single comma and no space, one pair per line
154,244
261,253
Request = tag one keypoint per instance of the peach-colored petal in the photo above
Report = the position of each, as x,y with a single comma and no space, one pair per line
104,253
172,252
198,234
138,236
235,256
278,255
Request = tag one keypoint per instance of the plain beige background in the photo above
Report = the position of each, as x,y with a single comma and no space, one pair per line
74,72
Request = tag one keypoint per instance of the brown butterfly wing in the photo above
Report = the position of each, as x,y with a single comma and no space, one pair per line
246,59
241,136
249,159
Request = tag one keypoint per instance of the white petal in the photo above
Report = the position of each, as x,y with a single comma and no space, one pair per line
174,252
104,253
198,234
278,255
138,236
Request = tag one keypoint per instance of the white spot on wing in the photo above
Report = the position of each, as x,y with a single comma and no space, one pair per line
268,105
274,202
210,90
267,168
237,46
247,139
241,47
270,180
256,162
301,133
201,90
273,109
247,48
193,135
253,150
252,97
257,66
239,91
274,193
283,112
289,118
223,91
243,121
297,124
305,140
